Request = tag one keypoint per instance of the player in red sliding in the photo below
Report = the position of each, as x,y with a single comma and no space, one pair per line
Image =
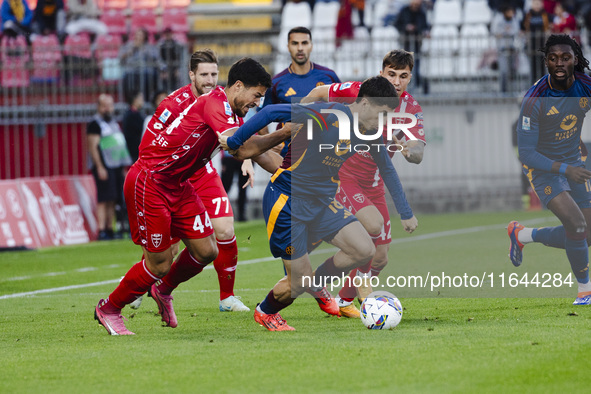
162,204
361,188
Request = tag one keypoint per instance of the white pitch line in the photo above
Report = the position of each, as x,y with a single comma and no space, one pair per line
321,251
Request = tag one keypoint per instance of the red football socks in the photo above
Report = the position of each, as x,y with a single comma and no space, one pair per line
225,266
184,268
135,283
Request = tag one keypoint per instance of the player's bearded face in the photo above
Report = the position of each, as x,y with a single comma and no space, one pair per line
300,47
204,78
561,61
247,98
399,78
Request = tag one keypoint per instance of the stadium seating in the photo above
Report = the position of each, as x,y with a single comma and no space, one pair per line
146,19
176,19
46,54
383,40
296,14
14,54
475,40
143,4
112,4
115,20
441,49
107,55
79,62
352,54
476,11
447,12
326,14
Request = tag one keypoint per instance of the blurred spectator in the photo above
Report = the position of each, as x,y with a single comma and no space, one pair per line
563,22
156,100
133,123
141,65
344,27
412,26
505,28
16,18
83,17
549,6
171,54
108,153
359,5
49,17
536,25
231,167
499,5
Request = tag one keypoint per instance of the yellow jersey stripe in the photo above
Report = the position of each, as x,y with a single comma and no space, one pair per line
291,168
277,207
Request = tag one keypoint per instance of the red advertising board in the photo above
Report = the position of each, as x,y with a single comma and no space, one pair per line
41,212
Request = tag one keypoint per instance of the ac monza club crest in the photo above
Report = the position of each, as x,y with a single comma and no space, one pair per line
156,239
359,197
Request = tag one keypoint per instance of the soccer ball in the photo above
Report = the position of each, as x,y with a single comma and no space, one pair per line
381,311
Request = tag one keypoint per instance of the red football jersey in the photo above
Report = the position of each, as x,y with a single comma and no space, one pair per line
361,166
174,150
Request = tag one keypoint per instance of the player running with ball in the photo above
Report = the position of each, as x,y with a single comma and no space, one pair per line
299,204
549,140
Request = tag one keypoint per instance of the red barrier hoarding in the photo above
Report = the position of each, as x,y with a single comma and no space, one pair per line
42,212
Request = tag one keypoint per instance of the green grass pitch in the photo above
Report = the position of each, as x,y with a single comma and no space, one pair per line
449,340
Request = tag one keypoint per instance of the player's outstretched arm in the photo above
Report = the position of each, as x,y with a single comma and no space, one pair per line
319,93
390,177
257,144
269,161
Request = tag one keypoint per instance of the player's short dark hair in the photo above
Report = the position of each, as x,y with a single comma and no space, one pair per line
398,59
202,56
565,39
299,29
379,91
249,72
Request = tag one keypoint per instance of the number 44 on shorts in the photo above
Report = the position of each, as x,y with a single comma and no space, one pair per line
198,225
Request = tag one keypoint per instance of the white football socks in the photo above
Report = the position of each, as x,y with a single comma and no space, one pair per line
525,235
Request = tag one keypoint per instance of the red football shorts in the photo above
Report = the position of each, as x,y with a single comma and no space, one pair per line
354,197
158,211
210,190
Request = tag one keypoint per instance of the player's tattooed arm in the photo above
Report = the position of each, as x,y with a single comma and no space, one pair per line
412,150
319,93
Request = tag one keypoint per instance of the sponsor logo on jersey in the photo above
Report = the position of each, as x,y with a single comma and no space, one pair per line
158,126
290,92
345,85
525,123
156,239
568,122
164,115
359,197
186,95
553,111
231,120
227,108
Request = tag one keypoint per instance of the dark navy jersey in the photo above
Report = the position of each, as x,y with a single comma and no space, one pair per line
311,167
550,123
287,85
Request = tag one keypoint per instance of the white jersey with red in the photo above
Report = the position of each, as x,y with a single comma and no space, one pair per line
360,182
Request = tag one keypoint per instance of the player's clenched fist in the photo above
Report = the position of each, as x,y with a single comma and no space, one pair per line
577,174
410,225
